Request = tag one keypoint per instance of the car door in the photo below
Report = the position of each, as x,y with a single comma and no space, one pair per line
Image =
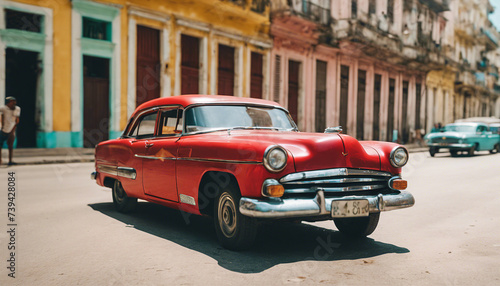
139,133
484,138
159,176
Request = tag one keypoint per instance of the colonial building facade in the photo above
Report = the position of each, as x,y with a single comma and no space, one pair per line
79,68
382,69
360,64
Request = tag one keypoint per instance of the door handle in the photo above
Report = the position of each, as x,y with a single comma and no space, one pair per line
149,145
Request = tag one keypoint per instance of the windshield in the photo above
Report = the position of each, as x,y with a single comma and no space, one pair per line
220,117
460,128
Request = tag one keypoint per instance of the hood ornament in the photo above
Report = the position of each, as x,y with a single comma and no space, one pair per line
337,129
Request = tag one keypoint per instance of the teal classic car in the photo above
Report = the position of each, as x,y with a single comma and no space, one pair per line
463,137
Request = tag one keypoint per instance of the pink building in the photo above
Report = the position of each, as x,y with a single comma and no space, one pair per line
358,64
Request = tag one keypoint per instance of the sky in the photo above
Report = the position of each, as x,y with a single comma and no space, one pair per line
495,16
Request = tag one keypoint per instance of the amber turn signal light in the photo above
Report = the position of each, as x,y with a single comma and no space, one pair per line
399,184
276,191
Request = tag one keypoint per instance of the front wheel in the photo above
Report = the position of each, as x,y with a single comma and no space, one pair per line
357,227
454,153
471,151
433,151
234,230
122,202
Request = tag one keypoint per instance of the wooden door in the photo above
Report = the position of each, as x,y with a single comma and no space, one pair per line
405,132
225,78
256,75
95,100
293,89
148,64
320,111
344,97
360,113
376,106
390,113
190,64
418,106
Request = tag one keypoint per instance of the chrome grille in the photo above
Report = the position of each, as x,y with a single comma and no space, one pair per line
444,139
335,180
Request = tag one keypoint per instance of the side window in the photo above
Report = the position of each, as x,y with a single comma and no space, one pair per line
145,126
170,122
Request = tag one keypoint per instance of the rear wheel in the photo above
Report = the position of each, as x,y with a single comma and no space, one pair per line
122,202
496,149
357,227
234,230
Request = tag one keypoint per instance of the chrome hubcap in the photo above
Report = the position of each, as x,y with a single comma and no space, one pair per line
227,215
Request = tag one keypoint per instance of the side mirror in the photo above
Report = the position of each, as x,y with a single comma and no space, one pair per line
337,129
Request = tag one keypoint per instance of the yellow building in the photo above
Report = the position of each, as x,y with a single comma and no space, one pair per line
79,68
442,100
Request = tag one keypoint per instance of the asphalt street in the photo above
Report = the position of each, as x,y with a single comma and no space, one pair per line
66,232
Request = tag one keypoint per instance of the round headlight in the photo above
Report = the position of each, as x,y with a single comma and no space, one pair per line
399,157
275,158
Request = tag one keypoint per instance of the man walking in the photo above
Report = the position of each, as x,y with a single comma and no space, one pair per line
9,118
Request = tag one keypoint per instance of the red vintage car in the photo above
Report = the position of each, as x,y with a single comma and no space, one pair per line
243,161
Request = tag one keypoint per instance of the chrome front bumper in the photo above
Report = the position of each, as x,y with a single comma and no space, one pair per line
319,205
455,145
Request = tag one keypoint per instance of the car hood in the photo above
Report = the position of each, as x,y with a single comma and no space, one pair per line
447,134
309,151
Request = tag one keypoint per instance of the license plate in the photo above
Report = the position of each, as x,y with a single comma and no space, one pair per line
350,208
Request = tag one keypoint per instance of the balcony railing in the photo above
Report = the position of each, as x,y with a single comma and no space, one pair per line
259,6
316,12
437,5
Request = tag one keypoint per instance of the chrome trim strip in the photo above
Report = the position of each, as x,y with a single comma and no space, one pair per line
221,161
318,206
127,172
441,145
124,172
112,170
339,181
199,160
331,173
331,190
155,157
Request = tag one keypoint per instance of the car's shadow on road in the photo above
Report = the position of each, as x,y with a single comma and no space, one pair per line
277,243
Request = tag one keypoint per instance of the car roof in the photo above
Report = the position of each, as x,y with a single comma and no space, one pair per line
485,120
186,100
467,124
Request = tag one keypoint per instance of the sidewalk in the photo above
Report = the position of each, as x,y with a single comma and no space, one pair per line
34,156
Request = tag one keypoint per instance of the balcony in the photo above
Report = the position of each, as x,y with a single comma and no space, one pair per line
465,78
315,12
374,42
436,5
491,38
